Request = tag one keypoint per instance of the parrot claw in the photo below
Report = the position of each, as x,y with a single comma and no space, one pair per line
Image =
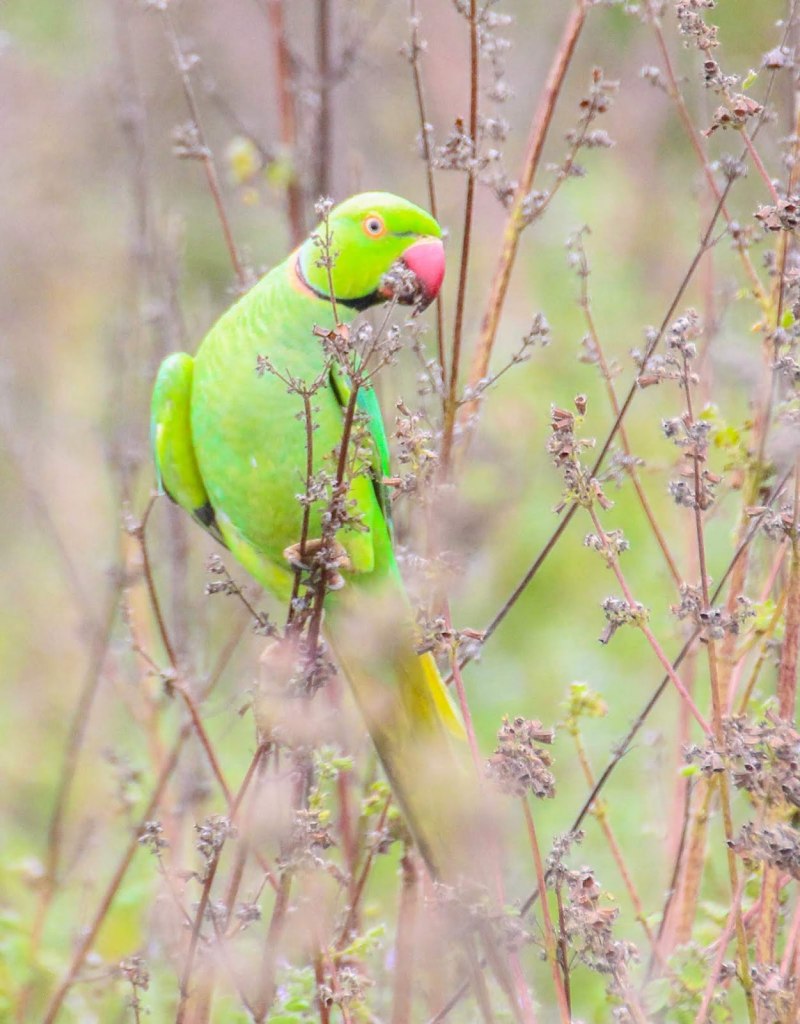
337,558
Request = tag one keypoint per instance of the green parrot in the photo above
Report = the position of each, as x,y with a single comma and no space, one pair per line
230,448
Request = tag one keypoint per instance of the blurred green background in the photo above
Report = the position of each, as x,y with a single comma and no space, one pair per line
81,337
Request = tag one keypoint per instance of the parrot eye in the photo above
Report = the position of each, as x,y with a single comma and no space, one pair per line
374,226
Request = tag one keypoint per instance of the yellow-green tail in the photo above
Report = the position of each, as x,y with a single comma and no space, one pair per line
416,731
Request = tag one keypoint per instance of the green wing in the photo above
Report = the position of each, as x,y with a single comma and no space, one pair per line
171,437
367,403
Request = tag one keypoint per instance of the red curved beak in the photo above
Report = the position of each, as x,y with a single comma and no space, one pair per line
425,259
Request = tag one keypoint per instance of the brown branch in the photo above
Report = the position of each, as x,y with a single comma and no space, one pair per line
567,515
208,882
323,143
451,401
515,222
427,156
550,944
89,933
284,81
182,66
790,649
267,987
406,941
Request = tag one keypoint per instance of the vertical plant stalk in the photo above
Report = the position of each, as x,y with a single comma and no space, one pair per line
284,82
766,933
357,890
205,896
693,135
713,977
451,400
520,996
624,746
89,933
66,778
790,649
605,371
405,943
515,221
267,986
717,711
182,66
601,814
567,515
323,144
427,156
178,683
550,943
645,629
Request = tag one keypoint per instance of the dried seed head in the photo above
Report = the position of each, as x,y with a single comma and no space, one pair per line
518,765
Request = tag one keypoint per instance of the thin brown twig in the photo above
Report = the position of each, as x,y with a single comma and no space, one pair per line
183,65
405,942
549,933
624,746
208,881
515,222
427,157
323,143
717,701
282,64
645,629
714,973
89,933
605,371
569,512
451,401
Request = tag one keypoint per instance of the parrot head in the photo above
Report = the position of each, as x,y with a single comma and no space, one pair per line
382,246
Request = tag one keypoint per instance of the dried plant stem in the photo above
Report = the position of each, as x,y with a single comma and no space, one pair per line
761,637
713,977
624,746
323,143
550,944
451,401
267,986
427,157
717,704
515,222
89,933
623,435
567,515
405,943
358,890
319,977
282,63
205,895
66,777
178,684
787,672
167,769
691,867
768,918
766,932
613,563
600,812
792,944
694,138
182,66
759,165
477,980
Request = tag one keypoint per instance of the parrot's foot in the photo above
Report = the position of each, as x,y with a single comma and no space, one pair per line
335,555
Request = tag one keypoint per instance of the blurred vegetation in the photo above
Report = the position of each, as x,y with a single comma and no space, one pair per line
89,99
